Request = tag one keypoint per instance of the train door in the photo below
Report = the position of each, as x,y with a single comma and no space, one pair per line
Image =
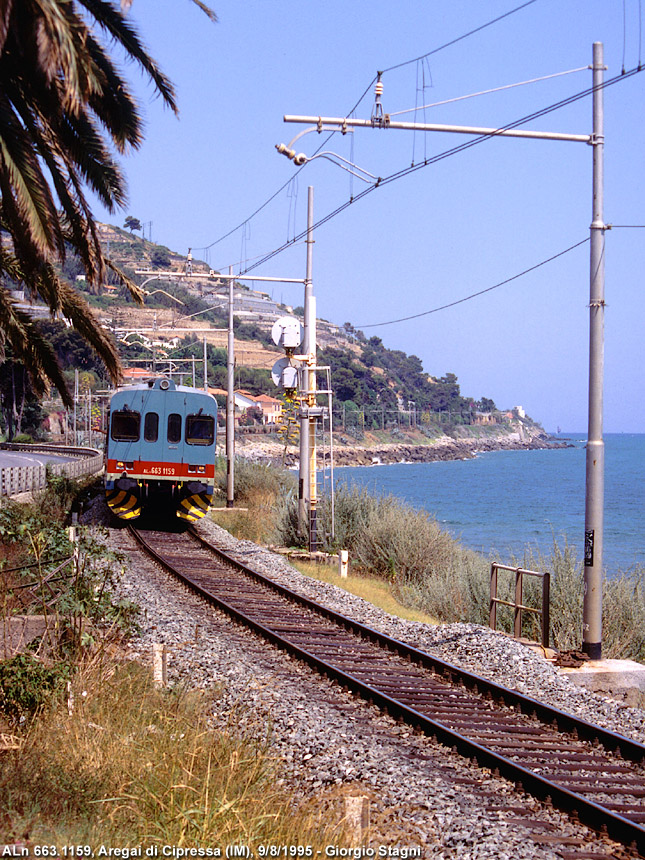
174,430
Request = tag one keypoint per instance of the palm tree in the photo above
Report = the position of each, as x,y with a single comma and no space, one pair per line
64,111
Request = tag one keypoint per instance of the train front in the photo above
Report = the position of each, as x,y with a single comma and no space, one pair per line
161,450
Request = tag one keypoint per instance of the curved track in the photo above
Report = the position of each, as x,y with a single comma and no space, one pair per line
584,770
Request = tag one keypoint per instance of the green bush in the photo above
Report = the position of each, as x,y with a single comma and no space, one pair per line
27,685
391,540
253,479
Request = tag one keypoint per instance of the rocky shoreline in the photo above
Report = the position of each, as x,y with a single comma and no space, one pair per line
438,449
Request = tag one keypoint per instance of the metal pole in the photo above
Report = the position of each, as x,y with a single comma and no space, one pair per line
230,401
546,600
331,456
595,473
75,404
303,469
205,366
310,350
313,490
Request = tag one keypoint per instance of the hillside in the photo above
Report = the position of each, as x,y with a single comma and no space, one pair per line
375,387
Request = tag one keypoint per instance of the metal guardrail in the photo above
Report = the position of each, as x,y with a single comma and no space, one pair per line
518,605
22,479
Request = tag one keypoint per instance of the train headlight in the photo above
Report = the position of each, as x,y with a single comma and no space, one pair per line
164,385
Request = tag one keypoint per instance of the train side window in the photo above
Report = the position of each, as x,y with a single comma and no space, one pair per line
174,428
151,427
200,429
125,426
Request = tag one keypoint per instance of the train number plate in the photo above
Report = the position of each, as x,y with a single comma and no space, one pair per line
160,470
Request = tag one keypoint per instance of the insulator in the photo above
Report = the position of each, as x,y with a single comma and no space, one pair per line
378,89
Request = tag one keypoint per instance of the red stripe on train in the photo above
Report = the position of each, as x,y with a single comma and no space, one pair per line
153,469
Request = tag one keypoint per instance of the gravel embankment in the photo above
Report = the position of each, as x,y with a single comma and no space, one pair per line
469,646
328,744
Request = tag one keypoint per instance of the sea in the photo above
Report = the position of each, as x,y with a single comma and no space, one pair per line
502,502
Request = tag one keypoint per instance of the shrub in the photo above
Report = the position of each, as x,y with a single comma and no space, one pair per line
255,479
27,685
390,540
261,488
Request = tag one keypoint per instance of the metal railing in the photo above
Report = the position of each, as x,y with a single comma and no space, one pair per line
518,605
21,479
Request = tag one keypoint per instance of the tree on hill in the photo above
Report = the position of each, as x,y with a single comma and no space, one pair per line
487,405
160,258
63,106
131,223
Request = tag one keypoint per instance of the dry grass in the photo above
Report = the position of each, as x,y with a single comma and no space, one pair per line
135,764
374,590
258,488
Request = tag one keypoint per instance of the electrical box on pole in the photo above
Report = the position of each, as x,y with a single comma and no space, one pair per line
288,333
285,374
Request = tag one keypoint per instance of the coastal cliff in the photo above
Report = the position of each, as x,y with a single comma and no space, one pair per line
410,447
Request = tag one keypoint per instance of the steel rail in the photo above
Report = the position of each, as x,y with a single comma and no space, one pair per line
628,749
594,815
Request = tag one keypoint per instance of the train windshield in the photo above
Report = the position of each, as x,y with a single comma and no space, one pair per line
125,426
200,429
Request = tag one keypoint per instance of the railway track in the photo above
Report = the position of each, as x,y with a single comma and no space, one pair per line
592,774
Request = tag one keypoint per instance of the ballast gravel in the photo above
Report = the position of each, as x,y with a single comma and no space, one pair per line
328,744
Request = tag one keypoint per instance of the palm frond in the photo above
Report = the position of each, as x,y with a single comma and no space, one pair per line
206,10
60,162
6,7
80,314
135,291
113,22
64,107
112,103
30,347
26,198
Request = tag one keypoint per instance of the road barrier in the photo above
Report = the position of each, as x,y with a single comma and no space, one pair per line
22,479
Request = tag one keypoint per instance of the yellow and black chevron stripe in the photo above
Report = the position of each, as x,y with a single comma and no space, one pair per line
193,507
123,504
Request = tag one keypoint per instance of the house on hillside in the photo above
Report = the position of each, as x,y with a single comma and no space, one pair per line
243,399
137,374
481,418
271,408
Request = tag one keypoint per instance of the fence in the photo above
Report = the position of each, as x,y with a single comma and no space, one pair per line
518,605
22,479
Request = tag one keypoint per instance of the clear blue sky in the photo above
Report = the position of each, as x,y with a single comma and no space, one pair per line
441,233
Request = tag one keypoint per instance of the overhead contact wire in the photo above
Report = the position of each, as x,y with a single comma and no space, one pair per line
479,292
366,91
461,38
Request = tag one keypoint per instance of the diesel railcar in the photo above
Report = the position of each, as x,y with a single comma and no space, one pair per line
160,450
